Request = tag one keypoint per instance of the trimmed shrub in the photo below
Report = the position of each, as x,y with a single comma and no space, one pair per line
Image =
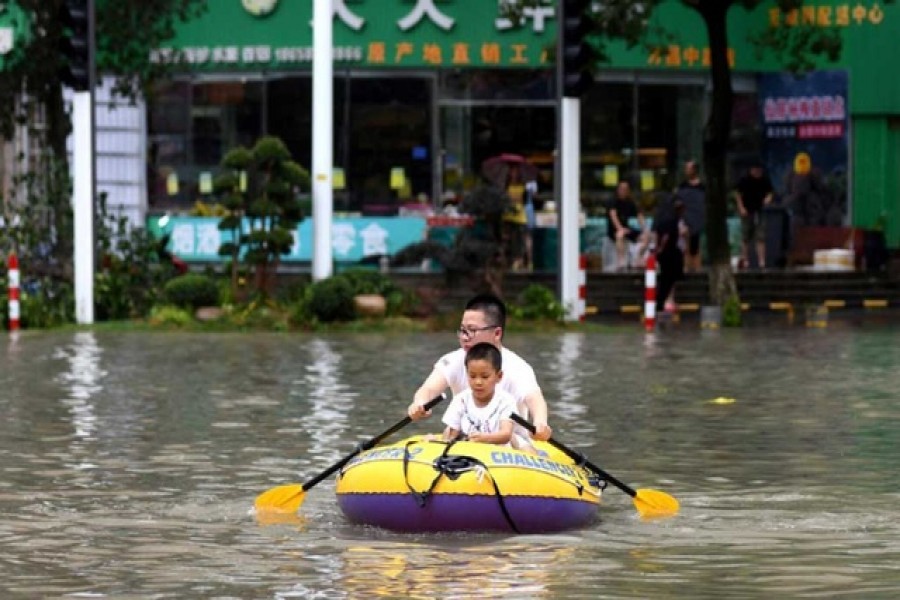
538,302
331,300
192,290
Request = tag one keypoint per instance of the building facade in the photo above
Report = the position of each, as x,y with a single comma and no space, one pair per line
425,91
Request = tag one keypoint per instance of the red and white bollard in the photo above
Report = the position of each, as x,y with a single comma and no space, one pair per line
13,266
650,292
582,287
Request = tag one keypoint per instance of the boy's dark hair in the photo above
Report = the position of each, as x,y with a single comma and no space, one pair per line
485,351
492,306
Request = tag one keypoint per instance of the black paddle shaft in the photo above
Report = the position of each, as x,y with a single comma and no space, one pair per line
579,458
363,446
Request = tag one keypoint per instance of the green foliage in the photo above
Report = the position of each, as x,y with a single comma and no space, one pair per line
192,290
731,312
261,185
331,300
170,315
131,272
537,302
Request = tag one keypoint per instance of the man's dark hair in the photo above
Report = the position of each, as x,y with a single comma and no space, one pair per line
485,351
492,307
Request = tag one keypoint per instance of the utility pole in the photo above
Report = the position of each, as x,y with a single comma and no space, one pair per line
322,139
78,71
574,58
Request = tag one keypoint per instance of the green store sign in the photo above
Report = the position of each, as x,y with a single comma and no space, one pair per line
15,32
682,44
271,34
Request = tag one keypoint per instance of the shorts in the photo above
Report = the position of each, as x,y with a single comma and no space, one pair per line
694,244
753,227
632,235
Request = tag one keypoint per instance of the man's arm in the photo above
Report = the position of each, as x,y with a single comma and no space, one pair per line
537,408
742,210
433,386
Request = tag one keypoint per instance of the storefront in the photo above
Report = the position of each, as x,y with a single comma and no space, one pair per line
424,91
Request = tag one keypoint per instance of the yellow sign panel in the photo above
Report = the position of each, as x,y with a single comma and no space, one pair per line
398,178
337,179
172,184
610,175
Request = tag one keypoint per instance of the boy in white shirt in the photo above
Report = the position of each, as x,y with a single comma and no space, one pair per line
484,320
482,412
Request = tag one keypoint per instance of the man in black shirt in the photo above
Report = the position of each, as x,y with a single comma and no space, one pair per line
618,223
754,191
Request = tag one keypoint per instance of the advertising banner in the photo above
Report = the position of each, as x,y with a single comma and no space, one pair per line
805,128
352,239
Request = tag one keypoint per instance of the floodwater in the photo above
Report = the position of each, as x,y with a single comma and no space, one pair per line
130,462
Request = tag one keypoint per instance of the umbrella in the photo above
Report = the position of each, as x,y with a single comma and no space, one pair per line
496,169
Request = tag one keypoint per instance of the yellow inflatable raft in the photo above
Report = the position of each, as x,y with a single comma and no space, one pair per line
419,485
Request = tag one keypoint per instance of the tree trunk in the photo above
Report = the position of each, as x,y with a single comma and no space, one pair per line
716,135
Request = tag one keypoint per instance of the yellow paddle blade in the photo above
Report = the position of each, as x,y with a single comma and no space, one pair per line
654,504
284,498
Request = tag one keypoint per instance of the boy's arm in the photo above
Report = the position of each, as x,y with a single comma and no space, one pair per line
502,436
450,434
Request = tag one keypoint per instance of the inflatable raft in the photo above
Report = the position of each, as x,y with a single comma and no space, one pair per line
416,485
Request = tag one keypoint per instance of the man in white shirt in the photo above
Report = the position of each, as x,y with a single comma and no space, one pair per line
484,320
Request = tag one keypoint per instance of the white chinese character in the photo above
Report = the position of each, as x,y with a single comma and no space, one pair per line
248,54
537,14
343,237
6,39
183,239
208,239
347,16
201,55
374,239
425,8
264,54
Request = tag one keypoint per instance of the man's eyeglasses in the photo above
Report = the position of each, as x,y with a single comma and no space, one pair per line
469,332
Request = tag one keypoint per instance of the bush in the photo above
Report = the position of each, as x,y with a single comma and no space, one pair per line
731,312
538,302
192,290
367,281
331,300
170,315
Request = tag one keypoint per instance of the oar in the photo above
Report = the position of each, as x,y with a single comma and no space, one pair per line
649,503
288,498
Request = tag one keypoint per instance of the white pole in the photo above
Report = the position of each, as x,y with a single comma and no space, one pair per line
570,207
322,139
83,205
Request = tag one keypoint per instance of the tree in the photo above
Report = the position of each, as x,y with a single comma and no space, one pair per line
260,186
31,90
795,48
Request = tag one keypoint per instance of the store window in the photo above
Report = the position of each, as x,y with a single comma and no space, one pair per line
382,136
191,127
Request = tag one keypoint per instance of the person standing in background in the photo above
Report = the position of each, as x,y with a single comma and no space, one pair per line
692,193
754,191
515,221
618,228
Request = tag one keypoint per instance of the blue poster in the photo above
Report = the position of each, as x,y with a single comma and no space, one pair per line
805,128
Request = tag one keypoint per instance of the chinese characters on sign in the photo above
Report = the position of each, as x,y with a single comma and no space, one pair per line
819,117
824,15
413,33
199,238
677,56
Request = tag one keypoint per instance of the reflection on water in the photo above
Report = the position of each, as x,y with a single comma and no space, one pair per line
82,380
130,462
